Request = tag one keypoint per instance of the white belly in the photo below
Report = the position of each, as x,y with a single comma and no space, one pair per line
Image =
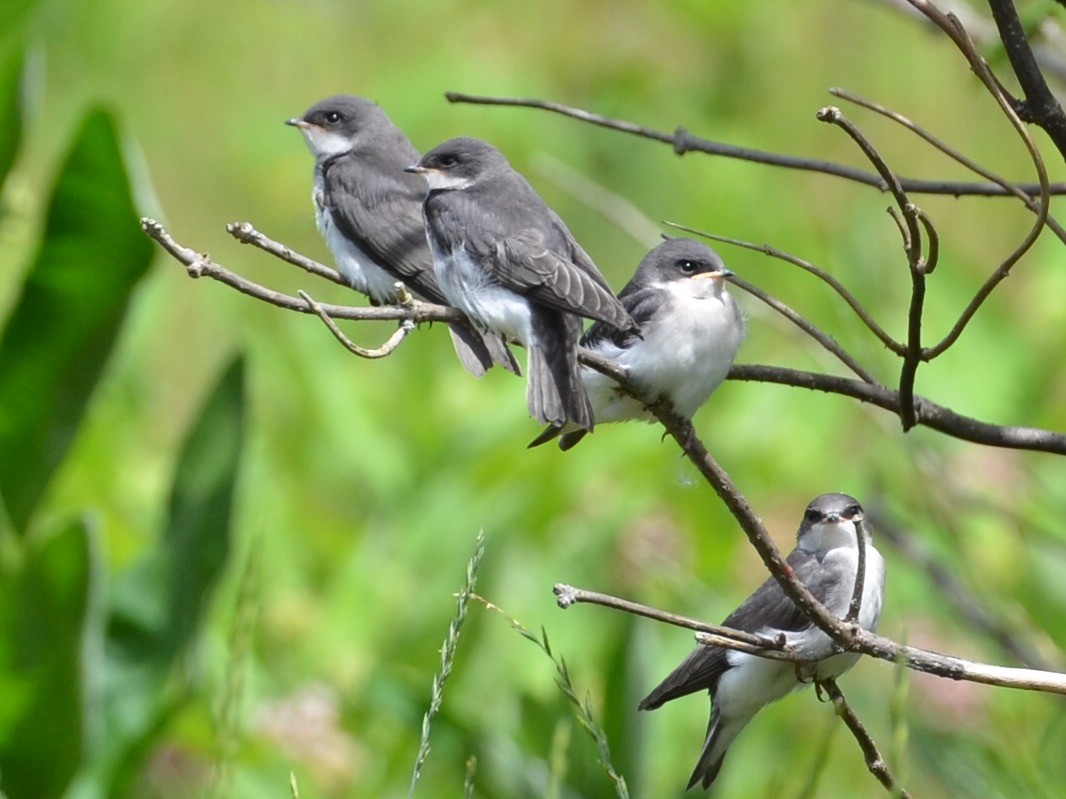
468,288
685,359
358,268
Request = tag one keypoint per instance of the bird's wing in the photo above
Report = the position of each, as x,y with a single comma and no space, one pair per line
769,609
549,277
379,207
641,302
765,611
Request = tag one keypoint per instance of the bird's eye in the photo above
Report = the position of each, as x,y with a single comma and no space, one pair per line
686,267
852,511
813,515
447,161
332,117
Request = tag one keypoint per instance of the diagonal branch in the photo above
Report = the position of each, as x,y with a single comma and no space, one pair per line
1040,106
875,762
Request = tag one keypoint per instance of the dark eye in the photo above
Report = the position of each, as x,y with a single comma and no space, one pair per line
332,117
687,267
852,511
447,161
813,515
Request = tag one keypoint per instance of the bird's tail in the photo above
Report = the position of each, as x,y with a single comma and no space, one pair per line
720,735
555,393
480,351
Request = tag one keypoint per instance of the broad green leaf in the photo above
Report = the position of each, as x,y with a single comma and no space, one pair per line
11,65
44,608
158,605
61,332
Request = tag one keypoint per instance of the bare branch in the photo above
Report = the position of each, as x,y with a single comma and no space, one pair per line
952,153
386,349
826,340
875,762
912,245
200,265
245,233
929,414
682,142
1040,106
966,603
568,595
855,606
953,28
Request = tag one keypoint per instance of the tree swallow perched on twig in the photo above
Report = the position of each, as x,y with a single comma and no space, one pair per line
508,261
370,213
826,561
691,328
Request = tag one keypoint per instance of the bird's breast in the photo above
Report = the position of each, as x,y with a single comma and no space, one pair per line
470,288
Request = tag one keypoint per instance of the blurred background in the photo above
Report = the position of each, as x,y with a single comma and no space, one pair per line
362,485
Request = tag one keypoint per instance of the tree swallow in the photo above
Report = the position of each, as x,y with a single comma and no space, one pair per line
508,261
370,213
691,328
825,560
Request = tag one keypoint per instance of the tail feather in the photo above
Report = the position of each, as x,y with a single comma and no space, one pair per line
478,352
720,735
555,393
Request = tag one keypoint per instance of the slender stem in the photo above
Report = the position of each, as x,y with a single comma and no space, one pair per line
875,762
682,142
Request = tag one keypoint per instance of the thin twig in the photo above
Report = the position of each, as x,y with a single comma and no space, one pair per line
871,754
912,245
953,28
930,415
568,595
682,142
855,606
766,249
386,349
1040,105
200,265
808,327
951,153
245,233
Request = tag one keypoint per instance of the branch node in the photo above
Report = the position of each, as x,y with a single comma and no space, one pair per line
565,595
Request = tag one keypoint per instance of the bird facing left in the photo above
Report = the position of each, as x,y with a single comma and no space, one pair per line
370,213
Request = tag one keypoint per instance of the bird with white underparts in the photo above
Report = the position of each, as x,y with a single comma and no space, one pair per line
825,560
691,329
503,257
370,213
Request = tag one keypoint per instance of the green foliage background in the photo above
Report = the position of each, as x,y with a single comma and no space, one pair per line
362,484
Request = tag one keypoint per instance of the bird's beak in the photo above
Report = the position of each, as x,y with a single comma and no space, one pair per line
832,518
720,274
296,122
415,169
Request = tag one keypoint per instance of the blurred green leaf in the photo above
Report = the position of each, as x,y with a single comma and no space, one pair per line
157,605
63,327
44,609
11,65
13,14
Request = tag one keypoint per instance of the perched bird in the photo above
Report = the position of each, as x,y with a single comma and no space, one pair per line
508,261
691,328
370,213
826,561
